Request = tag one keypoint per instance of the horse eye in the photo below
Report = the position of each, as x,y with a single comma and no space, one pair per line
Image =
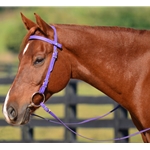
38,60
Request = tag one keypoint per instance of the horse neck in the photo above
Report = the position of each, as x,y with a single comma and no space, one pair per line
100,56
79,44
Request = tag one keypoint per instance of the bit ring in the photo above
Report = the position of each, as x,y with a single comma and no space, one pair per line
32,103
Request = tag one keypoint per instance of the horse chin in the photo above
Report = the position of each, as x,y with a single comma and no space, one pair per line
26,117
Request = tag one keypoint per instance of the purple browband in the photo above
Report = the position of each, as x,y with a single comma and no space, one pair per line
54,56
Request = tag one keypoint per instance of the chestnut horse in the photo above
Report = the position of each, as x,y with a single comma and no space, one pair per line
115,60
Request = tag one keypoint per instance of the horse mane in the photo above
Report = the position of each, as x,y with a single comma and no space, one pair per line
104,28
124,29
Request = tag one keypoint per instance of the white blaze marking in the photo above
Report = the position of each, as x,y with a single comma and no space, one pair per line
5,106
25,49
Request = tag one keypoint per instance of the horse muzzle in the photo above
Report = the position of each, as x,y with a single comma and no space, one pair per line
14,117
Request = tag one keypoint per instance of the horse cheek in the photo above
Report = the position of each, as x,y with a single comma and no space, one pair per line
59,79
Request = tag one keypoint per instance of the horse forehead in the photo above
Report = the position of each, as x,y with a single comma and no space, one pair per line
33,46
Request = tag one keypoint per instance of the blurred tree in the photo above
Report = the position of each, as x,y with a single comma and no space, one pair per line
15,38
2,9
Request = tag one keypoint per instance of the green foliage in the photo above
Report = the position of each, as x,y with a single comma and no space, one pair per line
135,17
15,38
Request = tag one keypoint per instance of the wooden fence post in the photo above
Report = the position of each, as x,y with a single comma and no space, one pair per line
120,113
70,110
27,133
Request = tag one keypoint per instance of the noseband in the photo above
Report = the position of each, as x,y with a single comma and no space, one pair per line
51,65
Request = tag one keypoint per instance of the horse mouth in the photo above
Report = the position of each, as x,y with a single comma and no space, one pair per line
26,117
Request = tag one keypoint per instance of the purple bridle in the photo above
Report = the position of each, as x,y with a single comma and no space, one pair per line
51,66
44,86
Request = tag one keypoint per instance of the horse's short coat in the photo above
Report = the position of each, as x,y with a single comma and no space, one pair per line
114,60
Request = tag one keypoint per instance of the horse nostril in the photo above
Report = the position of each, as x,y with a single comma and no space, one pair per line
12,114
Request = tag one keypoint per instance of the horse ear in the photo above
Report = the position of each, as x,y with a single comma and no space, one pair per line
42,24
28,23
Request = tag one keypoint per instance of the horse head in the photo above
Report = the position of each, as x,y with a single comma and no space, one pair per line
34,60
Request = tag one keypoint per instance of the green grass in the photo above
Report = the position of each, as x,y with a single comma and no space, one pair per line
96,133
4,89
10,133
50,133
